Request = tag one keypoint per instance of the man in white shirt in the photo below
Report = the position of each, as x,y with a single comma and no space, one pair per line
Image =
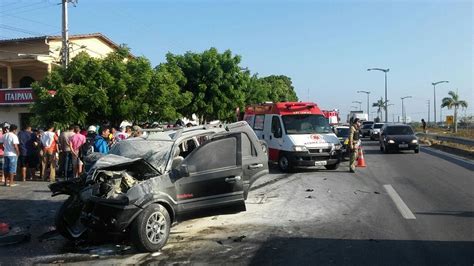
11,152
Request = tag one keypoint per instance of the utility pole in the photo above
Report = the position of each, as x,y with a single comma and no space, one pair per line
65,33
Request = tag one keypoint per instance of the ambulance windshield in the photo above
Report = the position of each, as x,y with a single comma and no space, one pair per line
306,124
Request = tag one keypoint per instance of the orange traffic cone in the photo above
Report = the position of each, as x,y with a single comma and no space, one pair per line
360,159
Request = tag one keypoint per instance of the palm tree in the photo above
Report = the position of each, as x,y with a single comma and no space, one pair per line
451,102
380,104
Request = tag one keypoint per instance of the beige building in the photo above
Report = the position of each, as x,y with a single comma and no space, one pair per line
25,60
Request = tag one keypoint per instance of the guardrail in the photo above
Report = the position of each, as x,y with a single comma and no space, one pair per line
458,140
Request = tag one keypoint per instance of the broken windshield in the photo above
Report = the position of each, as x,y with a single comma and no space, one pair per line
155,152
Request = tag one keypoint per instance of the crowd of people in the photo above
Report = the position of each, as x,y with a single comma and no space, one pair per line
35,154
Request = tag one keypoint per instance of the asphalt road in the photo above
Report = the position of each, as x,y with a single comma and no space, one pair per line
403,209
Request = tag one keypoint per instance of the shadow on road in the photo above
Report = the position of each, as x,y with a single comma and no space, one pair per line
314,251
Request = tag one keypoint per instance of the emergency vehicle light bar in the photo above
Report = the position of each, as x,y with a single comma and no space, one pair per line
307,105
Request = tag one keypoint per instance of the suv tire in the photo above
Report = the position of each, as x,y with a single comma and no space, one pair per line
151,229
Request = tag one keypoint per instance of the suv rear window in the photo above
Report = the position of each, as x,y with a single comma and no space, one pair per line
367,126
378,125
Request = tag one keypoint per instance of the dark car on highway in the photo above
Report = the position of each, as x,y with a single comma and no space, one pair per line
342,133
394,137
145,183
364,131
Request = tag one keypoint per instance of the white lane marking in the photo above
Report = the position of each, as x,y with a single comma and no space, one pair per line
401,206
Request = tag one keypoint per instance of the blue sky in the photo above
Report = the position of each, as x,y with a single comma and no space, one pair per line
324,46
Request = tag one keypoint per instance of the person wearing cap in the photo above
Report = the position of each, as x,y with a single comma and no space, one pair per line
354,143
136,131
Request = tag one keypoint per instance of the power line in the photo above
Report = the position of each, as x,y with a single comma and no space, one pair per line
29,10
22,7
25,31
30,20
14,3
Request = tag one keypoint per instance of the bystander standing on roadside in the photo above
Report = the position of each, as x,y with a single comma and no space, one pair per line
423,124
11,152
65,155
49,141
75,142
122,134
34,148
24,137
101,141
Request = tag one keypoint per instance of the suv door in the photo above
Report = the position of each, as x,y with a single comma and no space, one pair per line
254,154
215,175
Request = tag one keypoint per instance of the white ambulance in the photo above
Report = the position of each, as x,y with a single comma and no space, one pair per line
297,134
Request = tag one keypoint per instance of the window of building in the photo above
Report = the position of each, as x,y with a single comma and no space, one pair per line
25,82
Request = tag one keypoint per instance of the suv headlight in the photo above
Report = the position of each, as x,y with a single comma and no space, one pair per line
391,141
414,141
337,146
300,148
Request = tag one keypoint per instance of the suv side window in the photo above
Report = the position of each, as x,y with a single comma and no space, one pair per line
247,148
216,154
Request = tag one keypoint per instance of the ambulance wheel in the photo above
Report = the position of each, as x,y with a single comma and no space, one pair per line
284,164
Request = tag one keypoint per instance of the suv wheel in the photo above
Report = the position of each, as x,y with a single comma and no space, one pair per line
151,229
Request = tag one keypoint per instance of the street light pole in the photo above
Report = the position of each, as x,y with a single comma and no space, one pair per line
368,93
385,71
404,118
360,104
434,96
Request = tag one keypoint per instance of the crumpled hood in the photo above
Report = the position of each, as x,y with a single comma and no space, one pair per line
112,160
314,140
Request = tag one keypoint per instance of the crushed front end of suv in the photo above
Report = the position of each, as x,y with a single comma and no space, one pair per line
144,184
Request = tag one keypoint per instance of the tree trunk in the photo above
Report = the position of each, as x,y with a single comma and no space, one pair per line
455,119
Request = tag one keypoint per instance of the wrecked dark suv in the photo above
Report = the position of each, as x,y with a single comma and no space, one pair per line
146,183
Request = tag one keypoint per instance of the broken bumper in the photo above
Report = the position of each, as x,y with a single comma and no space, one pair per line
105,214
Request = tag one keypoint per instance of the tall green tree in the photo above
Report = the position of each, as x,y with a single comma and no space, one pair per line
454,102
165,96
380,104
272,88
216,82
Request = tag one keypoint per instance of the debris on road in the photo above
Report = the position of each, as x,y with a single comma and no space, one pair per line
309,190
48,235
15,235
156,254
309,197
240,238
4,229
